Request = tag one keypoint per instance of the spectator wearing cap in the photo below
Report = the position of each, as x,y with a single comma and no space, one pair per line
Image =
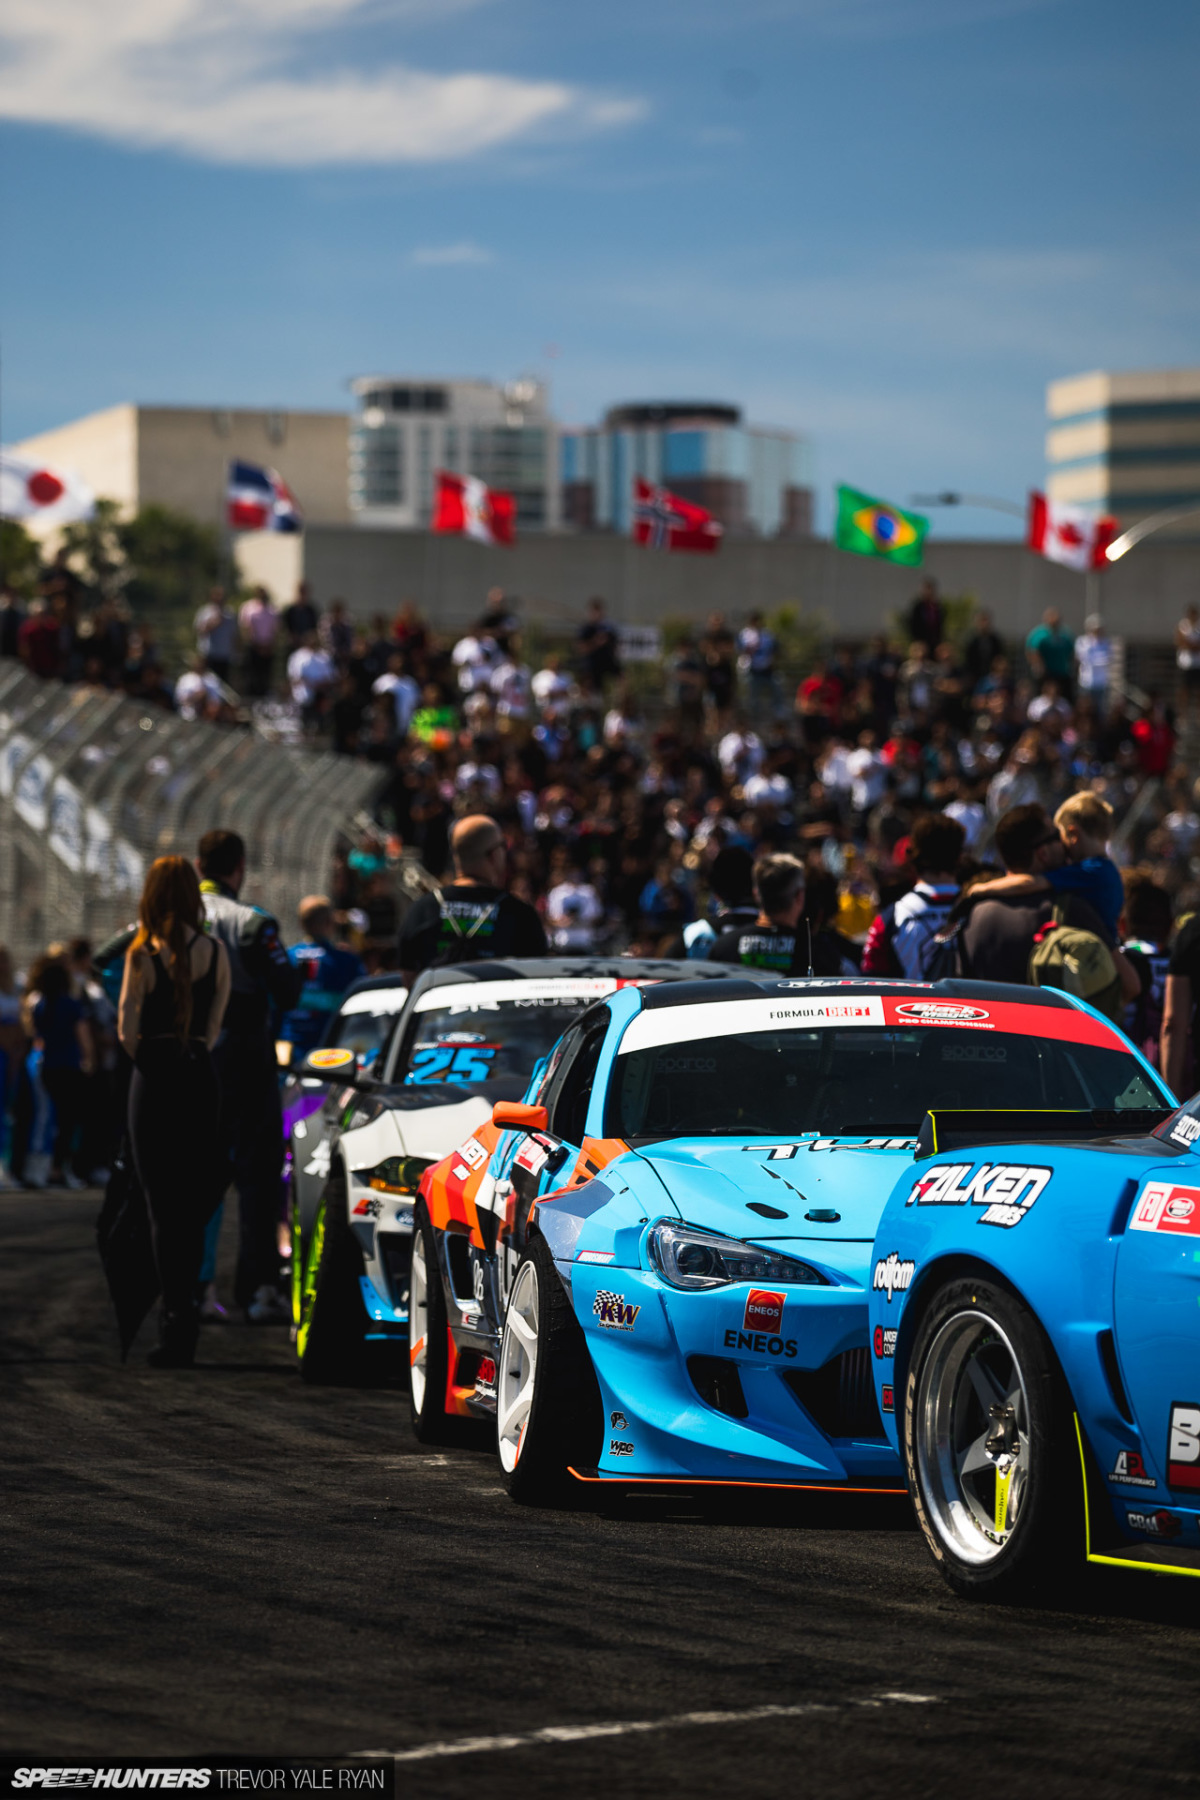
328,970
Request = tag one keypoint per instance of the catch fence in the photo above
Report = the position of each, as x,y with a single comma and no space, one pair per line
94,786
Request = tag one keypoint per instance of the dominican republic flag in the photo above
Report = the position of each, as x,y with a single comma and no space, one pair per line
29,490
665,522
259,500
1069,534
465,506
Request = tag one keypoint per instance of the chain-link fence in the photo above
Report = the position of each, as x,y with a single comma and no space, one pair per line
94,786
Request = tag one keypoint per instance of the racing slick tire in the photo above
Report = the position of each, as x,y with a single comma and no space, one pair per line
549,1416
427,1350
989,1446
331,1320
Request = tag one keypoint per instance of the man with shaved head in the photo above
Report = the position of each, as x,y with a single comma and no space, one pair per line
474,917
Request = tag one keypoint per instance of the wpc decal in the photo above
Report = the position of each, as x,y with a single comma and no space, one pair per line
1006,1191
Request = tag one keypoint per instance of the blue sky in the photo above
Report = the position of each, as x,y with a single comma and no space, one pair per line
884,223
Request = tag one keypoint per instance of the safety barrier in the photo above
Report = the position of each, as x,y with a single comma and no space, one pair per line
94,786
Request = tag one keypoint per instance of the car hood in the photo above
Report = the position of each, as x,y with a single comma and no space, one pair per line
719,1185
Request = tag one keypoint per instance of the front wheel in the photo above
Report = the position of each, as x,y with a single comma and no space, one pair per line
427,1348
328,1307
989,1445
549,1416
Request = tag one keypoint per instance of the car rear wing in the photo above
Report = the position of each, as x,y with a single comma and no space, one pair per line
959,1128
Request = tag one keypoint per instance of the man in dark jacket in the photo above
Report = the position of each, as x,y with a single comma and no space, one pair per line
264,983
997,939
474,916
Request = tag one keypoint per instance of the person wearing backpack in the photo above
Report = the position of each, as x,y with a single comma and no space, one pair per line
474,915
901,941
999,928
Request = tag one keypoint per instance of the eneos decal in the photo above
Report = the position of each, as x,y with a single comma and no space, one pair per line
764,1311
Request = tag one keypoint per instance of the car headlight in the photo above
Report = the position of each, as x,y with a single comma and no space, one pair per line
690,1258
394,1175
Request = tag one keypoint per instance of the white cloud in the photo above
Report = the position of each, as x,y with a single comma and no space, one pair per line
217,79
445,256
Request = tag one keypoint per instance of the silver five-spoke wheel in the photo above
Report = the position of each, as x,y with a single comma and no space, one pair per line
971,1436
518,1366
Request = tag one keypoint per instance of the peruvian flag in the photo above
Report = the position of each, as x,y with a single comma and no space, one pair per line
666,522
1069,534
465,505
260,500
29,490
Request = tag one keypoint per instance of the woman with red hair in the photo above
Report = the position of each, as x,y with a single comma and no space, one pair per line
173,1000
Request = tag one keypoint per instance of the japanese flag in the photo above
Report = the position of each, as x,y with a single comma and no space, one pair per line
1069,534
30,490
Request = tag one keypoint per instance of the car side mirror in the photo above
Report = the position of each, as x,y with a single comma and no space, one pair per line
514,1115
330,1065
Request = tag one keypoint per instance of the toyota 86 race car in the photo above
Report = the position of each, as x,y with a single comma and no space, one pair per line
658,1266
1035,1313
464,1037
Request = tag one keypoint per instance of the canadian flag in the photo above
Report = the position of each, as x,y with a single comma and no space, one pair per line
1069,534
666,522
467,506
29,490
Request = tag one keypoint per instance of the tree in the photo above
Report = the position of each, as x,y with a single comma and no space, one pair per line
95,550
19,557
172,559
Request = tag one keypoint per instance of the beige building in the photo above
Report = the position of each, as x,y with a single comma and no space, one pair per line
1128,444
179,456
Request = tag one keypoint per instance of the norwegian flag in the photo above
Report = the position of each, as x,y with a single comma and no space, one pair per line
466,506
1069,534
665,522
260,500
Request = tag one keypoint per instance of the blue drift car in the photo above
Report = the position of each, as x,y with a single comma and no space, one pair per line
677,1227
1035,1313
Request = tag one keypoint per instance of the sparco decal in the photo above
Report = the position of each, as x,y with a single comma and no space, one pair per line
613,1311
940,1012
1006,1191
1164,1207
893,1276
1183,1445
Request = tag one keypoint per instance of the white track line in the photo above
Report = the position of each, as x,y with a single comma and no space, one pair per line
575,1734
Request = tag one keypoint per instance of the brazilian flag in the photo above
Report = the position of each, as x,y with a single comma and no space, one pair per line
873,528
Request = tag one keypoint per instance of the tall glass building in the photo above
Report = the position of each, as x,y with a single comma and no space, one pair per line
756,481
409,427
1127,444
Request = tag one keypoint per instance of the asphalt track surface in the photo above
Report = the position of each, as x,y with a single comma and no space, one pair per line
225,1561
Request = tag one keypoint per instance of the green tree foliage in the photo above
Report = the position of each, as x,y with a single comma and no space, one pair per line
19,557
160,562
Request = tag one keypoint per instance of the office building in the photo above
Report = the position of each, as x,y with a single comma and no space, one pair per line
1127,444
179,456
408,427
756,481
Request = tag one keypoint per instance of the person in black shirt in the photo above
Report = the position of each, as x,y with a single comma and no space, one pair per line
598,647
473,917
1181,1010
777,940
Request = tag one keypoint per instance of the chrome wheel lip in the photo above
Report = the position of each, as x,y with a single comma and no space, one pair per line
418,1327
972,1487
518,1367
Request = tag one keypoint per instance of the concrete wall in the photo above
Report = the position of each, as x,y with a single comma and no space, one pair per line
178,456
1142,597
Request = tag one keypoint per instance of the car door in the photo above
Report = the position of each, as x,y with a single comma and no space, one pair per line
1157,1317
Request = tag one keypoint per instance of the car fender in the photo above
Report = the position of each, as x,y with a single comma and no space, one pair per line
1059,1257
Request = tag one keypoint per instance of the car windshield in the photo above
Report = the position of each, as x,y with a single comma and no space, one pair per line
468,1036
365,1022
864,1082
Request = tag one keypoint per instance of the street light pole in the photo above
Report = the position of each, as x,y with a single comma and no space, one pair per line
1120,545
